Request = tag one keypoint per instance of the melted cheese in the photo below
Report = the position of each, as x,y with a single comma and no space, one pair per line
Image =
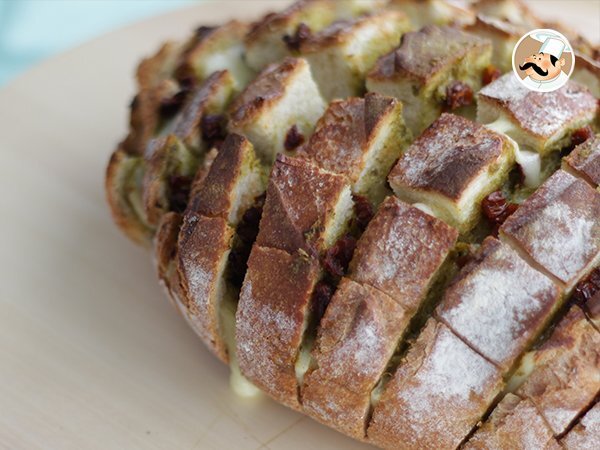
530,162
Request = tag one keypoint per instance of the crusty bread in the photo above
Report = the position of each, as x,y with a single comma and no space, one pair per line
376,262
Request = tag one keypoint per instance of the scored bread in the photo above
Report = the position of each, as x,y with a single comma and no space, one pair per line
356,211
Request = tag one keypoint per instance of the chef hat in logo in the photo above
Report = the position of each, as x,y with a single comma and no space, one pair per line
551,44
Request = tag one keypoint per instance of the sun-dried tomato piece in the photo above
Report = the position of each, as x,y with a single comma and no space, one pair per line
489,74
496,208
293,42
321,297
587,288
581,135
293,139
179,191
363,210
337,258
458,94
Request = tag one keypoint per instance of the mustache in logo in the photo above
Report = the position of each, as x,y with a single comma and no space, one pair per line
535,67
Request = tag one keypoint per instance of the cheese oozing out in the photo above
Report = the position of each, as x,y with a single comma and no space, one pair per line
530,162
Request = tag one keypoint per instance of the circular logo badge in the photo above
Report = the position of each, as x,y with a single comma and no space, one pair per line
543,60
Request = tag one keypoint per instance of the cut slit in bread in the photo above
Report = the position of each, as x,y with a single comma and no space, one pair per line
341,54
422,68
557,229
367,319
276,302
437,395
361,139
586,434
499,305
514,424
562,377
283,96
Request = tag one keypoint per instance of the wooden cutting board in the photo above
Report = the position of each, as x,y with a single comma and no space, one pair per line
91,353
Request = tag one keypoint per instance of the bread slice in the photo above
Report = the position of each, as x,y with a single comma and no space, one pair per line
283,96
498,304
539,121
235,179
341,54
165,259
437,12
584,161
122,182
563,375
451,167
207,238
514,424
558,228
361,139
265,42
271,318
214,49
586,434
170,167
401,252
357,337
424,66
153,70
395,262
307,208
440,391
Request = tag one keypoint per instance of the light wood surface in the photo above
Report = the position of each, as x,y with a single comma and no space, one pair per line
91,353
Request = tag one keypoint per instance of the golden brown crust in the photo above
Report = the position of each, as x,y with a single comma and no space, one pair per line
273,305
584,160
401,251
119,171
300,198
542,114
357,337
153,70
566,378
265,90
514,424
346,131
203,247
498,304
424,53
558,227
448,157
214,198
440,391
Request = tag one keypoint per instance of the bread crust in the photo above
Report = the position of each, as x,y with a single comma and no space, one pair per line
270,319
297,219
584,161
440,391
401,251
566,378
558,227
498,304
358,334
204,245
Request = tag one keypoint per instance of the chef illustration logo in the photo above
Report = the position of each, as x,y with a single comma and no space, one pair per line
542,60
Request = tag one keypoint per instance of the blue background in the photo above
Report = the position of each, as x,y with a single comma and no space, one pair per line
32,30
